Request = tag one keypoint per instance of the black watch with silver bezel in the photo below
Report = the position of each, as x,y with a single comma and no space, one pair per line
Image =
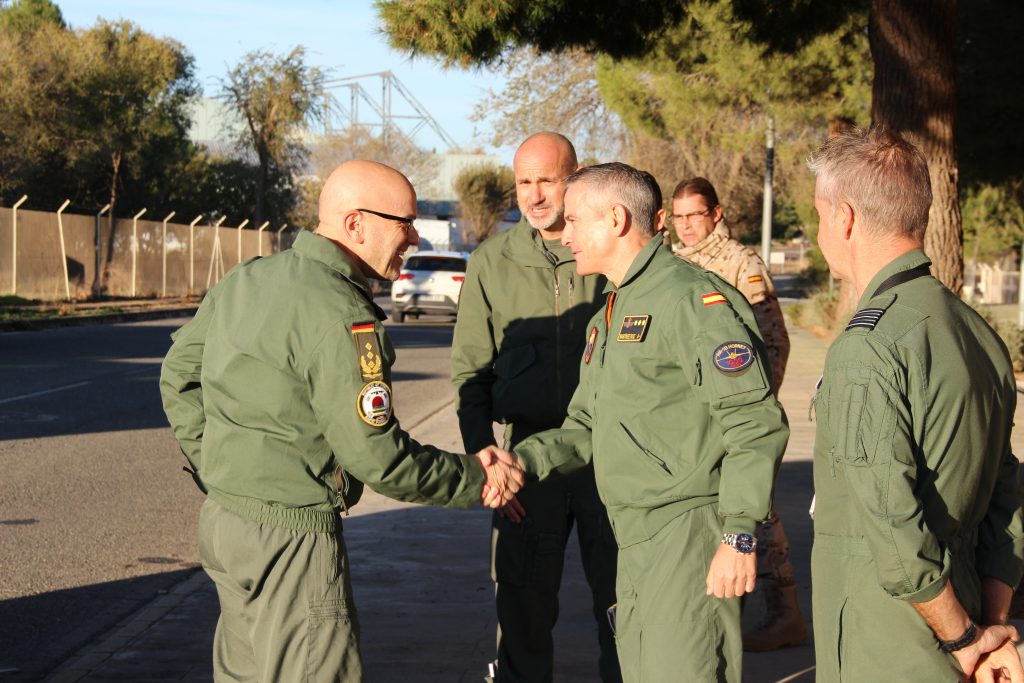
741,543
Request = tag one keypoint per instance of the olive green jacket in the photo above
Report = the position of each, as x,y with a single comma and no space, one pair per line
266,392
674,406
912,459
519,335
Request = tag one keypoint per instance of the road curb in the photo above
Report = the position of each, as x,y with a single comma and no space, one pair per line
34,325
90,657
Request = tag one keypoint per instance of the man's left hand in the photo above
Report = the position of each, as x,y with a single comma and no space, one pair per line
732,573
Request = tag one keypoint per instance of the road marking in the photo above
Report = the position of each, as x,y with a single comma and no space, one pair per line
42,393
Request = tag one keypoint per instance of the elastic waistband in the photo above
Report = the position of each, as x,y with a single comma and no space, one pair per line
298,519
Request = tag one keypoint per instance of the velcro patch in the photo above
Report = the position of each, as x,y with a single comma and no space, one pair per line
713,298
374,404
371,364
634,328
591,341
733,357
755,278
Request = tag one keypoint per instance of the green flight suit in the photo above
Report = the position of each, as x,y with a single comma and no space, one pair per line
675,411
282,379
914,479
515,360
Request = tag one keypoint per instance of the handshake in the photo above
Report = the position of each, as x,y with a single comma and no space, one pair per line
504,476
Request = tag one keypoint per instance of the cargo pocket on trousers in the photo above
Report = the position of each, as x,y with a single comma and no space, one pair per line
333,642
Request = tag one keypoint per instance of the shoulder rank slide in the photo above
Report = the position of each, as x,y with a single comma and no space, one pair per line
371,365
865,318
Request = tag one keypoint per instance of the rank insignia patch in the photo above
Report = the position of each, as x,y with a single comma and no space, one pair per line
733,357
713,298
374,404
371,365
591,341
634,328
755,278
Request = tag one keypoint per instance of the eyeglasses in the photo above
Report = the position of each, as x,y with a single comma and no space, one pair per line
406,223
687,217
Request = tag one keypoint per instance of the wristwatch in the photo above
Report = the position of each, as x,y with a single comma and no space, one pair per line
741,543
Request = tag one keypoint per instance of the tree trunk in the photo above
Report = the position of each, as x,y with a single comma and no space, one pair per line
914,94
115,176
261,186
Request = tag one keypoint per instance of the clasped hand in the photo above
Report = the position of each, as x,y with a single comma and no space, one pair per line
504,476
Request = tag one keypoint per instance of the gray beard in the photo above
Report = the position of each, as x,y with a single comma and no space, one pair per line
545,224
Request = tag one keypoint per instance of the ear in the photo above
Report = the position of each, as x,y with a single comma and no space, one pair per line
716,214
844,219
621,220
352,227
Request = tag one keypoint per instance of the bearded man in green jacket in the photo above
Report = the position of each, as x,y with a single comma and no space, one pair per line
515,360
676,413
279,393
918,534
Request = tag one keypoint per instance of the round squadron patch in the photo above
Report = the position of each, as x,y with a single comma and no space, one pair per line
374,404
732,357
591,341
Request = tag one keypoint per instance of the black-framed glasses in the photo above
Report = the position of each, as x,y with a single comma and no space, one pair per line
406,222
687,217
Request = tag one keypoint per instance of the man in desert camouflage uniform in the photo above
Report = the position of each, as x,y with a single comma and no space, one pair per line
705,242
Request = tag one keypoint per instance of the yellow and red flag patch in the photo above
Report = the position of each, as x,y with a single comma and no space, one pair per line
755,278
713,298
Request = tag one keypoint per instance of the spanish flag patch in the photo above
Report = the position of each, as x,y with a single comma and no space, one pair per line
755,278
713,298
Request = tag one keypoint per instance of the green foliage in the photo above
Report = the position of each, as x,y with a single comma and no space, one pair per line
993,220
818,313
26,16
485,193
273,96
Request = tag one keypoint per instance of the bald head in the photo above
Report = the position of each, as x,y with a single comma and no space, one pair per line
540,165
367,209
363,184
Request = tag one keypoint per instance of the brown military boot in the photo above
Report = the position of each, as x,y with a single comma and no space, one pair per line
783,624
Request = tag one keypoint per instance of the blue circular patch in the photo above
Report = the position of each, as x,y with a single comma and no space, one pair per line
733,357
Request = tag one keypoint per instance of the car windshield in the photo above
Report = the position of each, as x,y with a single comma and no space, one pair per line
436,263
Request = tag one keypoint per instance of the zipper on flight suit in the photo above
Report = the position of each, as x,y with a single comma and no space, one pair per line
558,342
639,445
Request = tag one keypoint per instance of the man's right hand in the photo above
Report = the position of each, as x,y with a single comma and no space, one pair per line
993,644
513,512
504,476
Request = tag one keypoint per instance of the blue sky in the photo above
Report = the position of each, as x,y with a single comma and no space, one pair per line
342,36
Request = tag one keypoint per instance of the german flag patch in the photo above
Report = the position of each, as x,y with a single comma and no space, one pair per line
714,298
755,278
371,365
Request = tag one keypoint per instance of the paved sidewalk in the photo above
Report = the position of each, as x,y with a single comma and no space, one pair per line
423,591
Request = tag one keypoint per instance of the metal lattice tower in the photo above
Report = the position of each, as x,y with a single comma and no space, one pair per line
389,123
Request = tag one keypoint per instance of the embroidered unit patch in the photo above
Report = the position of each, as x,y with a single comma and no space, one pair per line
713,298
374,404
591,341
733,357
634,328
371,365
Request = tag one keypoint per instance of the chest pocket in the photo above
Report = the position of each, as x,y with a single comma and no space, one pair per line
865,417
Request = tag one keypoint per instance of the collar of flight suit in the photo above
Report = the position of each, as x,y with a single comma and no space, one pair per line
524,246
711,244
911,259
318,248
653,247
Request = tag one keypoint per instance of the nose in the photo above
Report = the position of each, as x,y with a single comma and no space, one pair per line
536,194
413,236
567,235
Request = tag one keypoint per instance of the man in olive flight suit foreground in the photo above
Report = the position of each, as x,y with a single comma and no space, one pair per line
918,538
515,360
704,238
279,393
676,413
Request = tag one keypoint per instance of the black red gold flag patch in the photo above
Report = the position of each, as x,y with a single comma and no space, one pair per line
371,365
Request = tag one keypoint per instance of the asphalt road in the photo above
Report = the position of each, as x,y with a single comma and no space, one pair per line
96,516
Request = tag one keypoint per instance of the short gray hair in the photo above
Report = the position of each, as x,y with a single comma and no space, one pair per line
622,184
881,175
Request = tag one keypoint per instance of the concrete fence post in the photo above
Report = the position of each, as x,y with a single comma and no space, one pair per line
240,226
63,248
192,253
135,245
14,246
259,237
163,279
279,236
97,280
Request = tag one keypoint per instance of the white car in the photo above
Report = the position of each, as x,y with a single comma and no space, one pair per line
429,284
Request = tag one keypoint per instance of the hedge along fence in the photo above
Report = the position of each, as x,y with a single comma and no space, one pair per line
137,257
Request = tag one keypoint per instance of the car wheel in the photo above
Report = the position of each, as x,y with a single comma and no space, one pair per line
398,316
